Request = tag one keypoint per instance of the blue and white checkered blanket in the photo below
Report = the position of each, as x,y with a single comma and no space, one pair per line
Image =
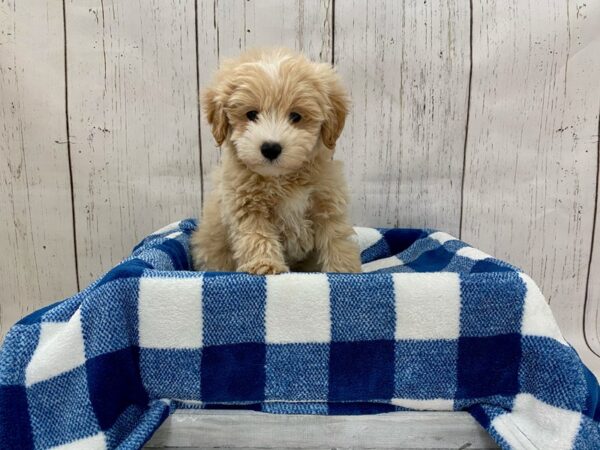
434,325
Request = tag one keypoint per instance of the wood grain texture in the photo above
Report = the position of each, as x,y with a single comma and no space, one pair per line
243,429
134,124
226,28
532,145
407,67
36,233
141,152
592,305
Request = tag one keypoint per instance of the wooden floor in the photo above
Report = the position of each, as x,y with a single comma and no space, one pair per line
193,429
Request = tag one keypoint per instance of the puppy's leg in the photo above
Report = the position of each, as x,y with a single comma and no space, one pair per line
336,251
255,244
210,243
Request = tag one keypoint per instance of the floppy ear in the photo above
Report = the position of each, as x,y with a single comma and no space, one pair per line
215,114
337,109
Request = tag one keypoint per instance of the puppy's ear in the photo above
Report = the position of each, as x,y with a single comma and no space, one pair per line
337,108
215,114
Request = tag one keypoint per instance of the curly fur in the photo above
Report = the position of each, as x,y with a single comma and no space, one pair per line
266,217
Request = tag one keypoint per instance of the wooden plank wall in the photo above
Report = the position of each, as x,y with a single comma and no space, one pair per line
133,116
36,223
531,155
480,118
405,136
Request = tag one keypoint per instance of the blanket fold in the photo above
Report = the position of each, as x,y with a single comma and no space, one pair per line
430,324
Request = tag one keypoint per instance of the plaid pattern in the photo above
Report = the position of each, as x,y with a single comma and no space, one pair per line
434,325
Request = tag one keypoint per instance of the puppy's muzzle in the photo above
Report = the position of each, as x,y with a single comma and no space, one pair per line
270,150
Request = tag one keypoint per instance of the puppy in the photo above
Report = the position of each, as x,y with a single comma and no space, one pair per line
279,201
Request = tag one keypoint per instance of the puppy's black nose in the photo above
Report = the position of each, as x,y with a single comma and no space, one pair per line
270,150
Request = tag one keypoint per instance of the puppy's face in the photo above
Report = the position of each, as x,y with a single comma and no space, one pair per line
275,107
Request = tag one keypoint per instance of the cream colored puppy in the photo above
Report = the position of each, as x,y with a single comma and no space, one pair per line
279,201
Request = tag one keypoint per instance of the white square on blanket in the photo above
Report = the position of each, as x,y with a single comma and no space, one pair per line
59,349
170,312
366,237
384,263
537,316
298,308
472,253
442,237
537,425
427,305
96,442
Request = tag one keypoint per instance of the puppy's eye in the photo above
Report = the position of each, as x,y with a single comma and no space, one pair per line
252,115
295,117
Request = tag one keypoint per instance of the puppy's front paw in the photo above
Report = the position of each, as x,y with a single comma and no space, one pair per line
263,267
343,259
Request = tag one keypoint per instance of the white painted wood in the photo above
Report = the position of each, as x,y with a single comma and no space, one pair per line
226,28
407,67
36,233
531,157
592,306
243,429
133,115
133,74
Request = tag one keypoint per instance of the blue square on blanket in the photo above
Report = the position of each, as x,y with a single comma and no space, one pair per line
426,369
311,408
156,258
15,423
592,397
431,261
485,413
67,394
360,371
546,378
488,366
127,421
359,408
171,373
19,345
233,308
378,250
64,310
399,239
353,318
110,322
233,373
297,371
176,252
115,383
588,433
132,268
135,425
497,297
491,265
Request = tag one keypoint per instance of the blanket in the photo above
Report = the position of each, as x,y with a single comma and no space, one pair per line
431,324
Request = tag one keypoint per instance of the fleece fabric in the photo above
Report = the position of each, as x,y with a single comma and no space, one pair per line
431,324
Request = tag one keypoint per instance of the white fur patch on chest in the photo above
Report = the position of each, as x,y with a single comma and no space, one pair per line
293,208
295,225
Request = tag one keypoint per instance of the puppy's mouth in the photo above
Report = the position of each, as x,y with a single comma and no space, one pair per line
270,168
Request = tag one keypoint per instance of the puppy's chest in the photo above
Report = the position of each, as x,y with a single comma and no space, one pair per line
292,217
